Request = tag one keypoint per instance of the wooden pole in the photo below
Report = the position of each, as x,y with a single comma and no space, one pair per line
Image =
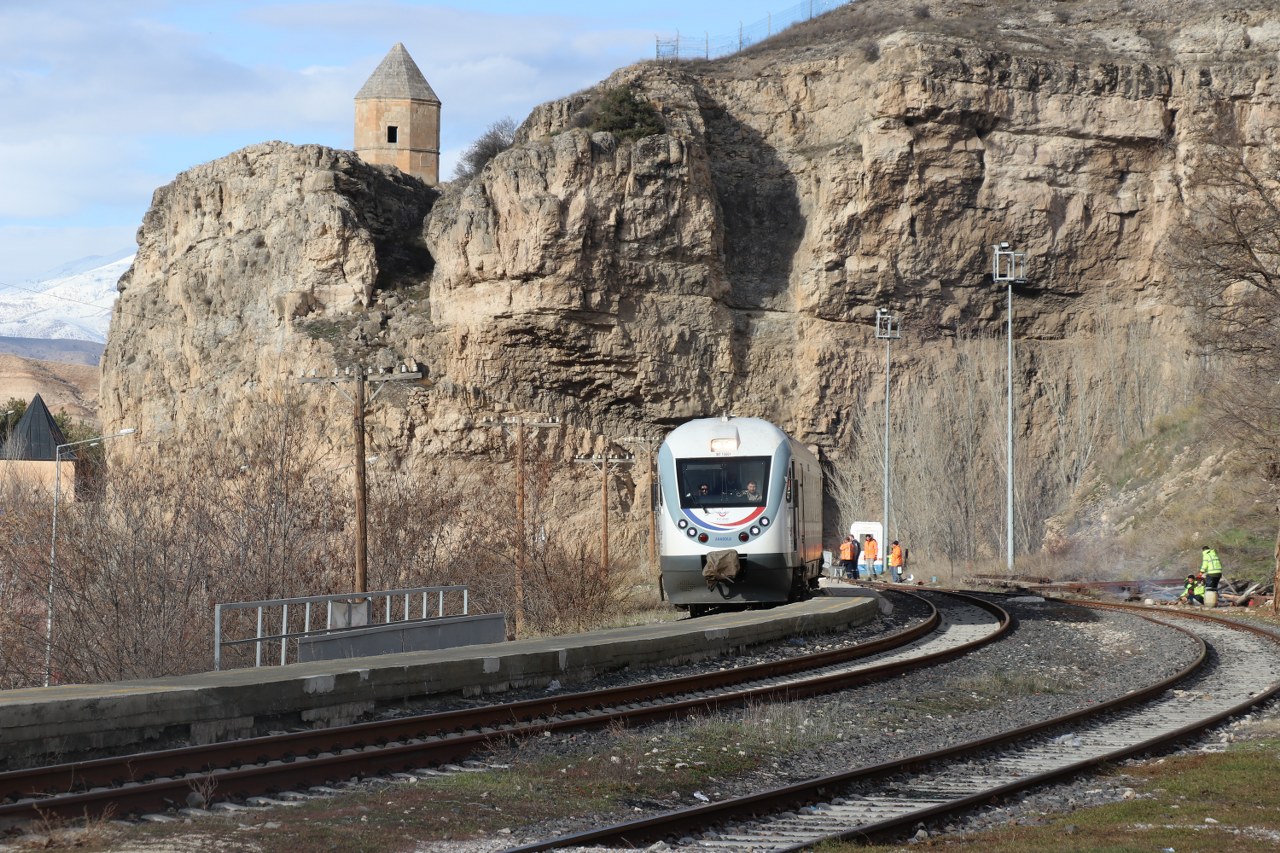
521,537
604,520
603,463
653,515
362,516
359,403
1275,580
649,444
521,532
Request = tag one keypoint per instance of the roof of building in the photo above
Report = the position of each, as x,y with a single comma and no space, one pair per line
36,436
397,77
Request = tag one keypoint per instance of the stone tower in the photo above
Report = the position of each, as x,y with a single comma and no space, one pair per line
398,118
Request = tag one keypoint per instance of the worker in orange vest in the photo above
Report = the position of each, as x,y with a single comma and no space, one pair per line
895,560
849,557
870,552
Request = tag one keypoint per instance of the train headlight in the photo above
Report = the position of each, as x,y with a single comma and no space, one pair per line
755,531
742,537
764,521
692,531
702,537
724,445
682,524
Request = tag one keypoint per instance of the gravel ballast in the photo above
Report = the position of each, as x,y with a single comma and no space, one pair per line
1081,656
1058,658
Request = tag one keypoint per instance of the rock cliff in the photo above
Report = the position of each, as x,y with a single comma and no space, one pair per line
868,158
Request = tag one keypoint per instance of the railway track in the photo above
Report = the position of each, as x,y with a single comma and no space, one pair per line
239,770
1239,666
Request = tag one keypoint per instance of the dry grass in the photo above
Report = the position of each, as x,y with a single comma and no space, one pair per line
659,767
1192,804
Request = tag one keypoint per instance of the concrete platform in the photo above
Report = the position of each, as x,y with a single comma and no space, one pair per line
74,722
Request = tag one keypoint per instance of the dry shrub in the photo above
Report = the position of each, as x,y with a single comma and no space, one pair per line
171,530
569,591
25,516
564,588
141,564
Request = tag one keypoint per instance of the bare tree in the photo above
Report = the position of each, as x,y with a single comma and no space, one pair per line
948,437
25,510
498,138
1228,252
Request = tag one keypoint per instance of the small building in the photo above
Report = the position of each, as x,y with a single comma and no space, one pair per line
398,118
32,448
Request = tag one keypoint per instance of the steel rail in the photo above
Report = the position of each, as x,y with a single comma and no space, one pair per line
156,780
824,789
80,775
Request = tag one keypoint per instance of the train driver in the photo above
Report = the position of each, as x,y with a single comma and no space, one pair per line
701,492
752,493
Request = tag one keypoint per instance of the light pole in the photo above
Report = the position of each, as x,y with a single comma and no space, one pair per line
53,540
1008,266
887,329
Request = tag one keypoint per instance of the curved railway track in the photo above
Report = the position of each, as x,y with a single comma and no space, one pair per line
1238,667
238,770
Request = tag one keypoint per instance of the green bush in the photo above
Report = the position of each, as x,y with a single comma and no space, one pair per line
620,112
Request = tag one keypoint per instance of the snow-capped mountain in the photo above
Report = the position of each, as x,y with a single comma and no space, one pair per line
75,307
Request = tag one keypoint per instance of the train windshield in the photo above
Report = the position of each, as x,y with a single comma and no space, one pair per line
740,481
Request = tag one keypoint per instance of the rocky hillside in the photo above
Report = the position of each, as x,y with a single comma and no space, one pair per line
869,158
64,387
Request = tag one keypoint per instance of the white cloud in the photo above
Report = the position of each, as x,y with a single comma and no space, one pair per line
105,100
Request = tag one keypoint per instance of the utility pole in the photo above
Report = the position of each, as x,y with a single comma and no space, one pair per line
601,464
1009,266
360,377
649,444
362,506
887,329
518,425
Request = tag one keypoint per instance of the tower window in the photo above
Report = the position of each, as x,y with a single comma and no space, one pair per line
391,133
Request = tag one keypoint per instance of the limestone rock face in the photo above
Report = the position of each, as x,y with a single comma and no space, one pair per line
233,257
869,158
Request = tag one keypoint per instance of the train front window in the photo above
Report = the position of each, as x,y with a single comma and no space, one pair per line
741,481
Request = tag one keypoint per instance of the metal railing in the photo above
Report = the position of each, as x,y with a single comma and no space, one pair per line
705,47
343,612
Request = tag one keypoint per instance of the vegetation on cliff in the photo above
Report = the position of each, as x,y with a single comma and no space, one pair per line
623,113
498,138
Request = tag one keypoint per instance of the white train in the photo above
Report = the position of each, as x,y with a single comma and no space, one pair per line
740,515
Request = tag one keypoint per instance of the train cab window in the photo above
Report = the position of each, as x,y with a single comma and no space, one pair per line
742,481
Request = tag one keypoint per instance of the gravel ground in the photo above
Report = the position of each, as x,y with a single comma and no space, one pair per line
1084,655
1087,655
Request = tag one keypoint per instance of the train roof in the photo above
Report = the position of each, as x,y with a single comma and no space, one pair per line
739,435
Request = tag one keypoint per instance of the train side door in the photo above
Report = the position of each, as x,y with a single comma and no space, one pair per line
801,516
794,498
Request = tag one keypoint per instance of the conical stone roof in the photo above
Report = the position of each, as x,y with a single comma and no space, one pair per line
37,435
396,78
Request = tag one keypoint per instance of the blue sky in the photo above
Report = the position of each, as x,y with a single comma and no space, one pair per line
103,101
